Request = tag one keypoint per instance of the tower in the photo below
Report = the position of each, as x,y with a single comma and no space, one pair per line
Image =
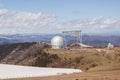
76,34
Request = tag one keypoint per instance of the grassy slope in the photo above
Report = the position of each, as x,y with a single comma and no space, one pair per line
101,64
87,58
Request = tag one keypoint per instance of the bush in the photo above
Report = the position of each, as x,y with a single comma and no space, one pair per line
93,65
78,59
41,62
45,58
54,56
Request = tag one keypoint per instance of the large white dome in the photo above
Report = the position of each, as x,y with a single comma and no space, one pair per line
57,42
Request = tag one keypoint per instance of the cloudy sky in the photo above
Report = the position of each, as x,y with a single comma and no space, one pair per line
55,16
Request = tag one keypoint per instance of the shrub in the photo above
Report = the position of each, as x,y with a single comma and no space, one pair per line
78,59
93,65
41,62
45,58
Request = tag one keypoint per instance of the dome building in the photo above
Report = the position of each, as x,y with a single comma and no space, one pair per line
57,42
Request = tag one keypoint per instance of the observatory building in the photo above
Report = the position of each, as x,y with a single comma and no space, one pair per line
57,42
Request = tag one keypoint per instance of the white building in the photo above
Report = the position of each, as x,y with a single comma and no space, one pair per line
109,46
57,42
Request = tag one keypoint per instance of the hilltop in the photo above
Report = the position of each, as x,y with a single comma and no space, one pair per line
40,54
93,61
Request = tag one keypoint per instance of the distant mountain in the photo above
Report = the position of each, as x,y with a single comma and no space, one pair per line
29,38
93,40
101,41
5,41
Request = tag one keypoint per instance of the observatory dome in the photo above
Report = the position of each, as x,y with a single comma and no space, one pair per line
57,42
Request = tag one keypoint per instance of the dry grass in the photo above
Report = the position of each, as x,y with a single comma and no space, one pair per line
88,58
108,64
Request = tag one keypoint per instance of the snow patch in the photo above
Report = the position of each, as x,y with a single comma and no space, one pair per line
15,71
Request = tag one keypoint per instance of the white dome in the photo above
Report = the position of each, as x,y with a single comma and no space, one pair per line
57,42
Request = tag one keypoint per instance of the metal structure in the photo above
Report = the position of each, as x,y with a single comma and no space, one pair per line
75,33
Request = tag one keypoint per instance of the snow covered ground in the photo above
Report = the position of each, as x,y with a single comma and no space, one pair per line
14,71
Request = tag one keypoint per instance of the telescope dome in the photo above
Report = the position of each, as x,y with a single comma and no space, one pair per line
57,42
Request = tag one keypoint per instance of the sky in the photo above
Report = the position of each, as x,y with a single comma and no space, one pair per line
55,16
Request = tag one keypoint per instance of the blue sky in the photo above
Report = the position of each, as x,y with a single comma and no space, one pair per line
54,16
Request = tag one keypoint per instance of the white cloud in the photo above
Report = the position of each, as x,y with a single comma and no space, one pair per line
98,24
12,22
23,22
110,21
103,26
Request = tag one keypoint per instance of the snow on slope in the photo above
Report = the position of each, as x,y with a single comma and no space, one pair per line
14,71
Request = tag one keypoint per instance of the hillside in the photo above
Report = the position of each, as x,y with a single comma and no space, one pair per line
86,59
25,54
39,54
93,61
6,49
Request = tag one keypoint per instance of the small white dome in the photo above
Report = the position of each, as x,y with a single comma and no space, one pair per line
57,42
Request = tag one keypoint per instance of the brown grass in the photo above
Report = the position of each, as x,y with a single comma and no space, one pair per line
108,64
87,58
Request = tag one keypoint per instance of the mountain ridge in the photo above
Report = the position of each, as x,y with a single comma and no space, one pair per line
93,40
